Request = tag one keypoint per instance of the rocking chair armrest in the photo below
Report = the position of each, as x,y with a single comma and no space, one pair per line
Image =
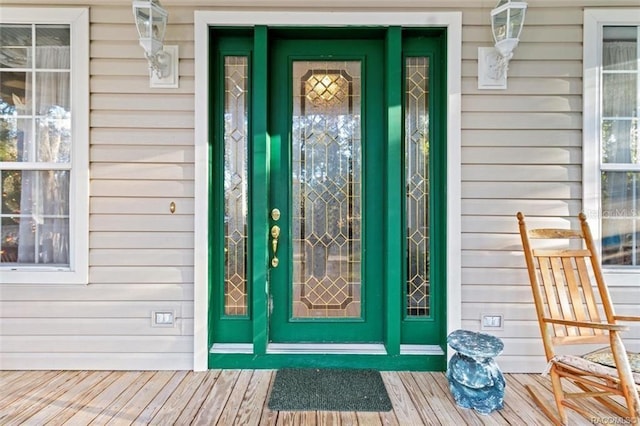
626,318
587,324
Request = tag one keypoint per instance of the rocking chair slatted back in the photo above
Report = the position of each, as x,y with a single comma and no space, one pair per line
562,284
568,290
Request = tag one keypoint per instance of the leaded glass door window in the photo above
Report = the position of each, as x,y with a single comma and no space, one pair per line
326,189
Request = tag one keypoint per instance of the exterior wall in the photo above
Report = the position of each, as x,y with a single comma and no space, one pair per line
521,150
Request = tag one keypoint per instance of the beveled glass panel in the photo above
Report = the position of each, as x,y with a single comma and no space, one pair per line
417,185
236,140
327,189
621,218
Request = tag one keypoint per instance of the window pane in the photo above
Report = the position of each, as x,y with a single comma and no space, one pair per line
620,142
15,139
620,101
13,99
52,92
52,46
620,218
620,146
620,48
16,42
54,138
417,183
48,137
619,94
236,140
35,217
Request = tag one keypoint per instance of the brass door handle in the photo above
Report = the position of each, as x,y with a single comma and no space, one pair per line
275,234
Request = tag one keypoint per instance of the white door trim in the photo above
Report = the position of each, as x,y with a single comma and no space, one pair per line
204,19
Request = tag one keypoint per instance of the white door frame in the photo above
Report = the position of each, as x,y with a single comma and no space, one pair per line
452,21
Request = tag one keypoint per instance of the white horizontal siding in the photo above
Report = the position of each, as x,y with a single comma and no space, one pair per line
150,205
91,309
127,137
521,150
141,255
150,188
114,285
142,240
108,344
526,139
150,102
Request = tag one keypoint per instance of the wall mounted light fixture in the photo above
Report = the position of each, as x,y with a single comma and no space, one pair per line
507,20
151,22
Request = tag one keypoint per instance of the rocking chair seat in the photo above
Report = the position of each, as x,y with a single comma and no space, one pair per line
596,368
605,356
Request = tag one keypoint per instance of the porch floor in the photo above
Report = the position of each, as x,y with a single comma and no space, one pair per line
237,397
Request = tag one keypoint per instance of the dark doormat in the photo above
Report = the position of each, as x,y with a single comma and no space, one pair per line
310,389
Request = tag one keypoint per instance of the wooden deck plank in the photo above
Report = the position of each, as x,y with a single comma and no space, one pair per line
160,399
405,411
296,418
240,397
254,402
84,400
437,400
103,400
121,401
31,380
179,399
543,387
369,418
389,418
419,398
135,405
328,418
517,398
228,397
52,412
38,398
198,399
348,418
11,377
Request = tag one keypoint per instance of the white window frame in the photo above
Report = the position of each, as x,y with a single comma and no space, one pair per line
594,22
78,270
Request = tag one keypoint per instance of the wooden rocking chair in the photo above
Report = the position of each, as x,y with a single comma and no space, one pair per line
567,309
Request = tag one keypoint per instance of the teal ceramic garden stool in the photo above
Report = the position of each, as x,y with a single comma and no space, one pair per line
475,380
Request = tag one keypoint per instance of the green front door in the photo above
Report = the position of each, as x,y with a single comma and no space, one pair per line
327,144
328,195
